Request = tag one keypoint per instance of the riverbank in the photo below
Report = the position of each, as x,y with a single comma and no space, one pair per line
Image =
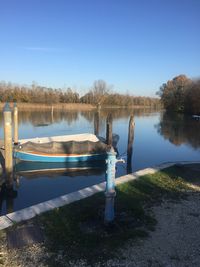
59,106
157,222
71,106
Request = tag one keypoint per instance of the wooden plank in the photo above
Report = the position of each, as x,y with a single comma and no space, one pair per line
26,235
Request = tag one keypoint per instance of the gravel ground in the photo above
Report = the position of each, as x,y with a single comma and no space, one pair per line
174,243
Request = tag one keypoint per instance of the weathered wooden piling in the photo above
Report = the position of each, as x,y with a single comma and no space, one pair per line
52,109
98,107
52,113
8,153
8,194
130,143
96,122
17,180
109,130
15,120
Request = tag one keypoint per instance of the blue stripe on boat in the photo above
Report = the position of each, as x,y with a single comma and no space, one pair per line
44,158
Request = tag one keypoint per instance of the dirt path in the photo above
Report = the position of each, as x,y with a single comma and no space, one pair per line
174,243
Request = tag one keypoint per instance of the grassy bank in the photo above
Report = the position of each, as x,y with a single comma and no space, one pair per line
78,229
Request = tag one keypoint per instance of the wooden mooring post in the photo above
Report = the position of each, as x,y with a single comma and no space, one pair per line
52,109
8,153
52,113
96,122
130,144
109,130
15,120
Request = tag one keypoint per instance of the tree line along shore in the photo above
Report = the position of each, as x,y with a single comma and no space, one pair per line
181,94
74,106
99,94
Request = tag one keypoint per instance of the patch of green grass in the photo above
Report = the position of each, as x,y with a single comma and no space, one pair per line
79,230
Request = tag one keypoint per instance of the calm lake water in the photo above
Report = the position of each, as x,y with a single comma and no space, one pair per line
158,138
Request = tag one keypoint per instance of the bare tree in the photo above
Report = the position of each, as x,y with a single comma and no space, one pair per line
100,91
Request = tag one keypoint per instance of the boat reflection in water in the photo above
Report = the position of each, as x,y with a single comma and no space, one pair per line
39,170
72,169
7,195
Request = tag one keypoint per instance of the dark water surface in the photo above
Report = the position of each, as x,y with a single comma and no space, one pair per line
158,138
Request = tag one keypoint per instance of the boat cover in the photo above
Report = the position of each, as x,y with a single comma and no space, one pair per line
69,147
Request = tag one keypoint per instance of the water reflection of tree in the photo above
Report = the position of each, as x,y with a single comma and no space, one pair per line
101,115
45,117
42,117
118,113
179,129
125,112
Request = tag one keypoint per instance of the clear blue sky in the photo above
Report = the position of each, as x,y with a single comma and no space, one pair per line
135,45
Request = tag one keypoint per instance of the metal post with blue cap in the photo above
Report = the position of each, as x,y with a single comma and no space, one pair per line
110,187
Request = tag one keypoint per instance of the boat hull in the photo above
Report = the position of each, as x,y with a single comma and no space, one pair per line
27,156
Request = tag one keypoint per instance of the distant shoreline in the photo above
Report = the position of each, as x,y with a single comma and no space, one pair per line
60,106
69,106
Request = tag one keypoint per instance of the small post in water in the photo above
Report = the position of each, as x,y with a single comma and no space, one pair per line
98,107
15,118
52,108
96,122
109,130
110,187
8,153
130,143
